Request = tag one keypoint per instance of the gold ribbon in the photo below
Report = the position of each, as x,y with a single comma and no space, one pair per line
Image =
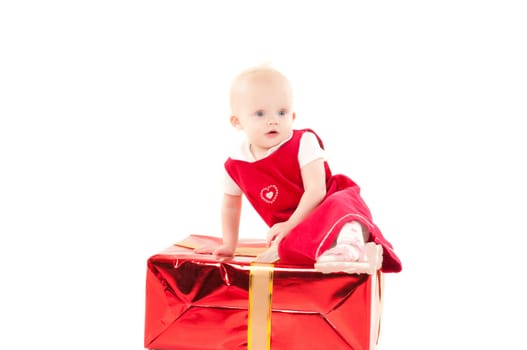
260,306
377,304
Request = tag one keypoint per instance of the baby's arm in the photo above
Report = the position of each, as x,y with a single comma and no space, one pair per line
314,180
230,223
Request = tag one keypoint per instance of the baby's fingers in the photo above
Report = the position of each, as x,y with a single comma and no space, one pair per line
270,238
223,251
205,249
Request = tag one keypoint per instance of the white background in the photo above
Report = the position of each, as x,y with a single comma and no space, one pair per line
114,128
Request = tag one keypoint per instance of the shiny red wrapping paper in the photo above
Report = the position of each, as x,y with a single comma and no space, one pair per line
195,302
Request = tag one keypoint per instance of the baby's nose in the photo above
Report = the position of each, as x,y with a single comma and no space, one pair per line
273,120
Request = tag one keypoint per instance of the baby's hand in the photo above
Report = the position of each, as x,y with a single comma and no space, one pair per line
206,249
277,232
219,251
223,251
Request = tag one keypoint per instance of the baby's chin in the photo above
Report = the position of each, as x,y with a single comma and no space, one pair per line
275,139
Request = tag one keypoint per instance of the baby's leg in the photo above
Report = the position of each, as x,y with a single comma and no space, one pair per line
349,244
353,233
350,254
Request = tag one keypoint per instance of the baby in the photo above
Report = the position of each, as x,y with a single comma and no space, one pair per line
315,217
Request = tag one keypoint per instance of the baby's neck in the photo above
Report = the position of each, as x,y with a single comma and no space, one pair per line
258,153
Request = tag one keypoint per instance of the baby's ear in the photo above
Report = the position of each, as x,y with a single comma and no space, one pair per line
235,121
293,115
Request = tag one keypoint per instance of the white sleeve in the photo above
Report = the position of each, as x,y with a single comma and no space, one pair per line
229,186
309,149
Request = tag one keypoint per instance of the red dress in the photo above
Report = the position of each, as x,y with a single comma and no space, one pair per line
273,185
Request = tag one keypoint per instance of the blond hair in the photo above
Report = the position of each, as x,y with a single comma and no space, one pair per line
264,69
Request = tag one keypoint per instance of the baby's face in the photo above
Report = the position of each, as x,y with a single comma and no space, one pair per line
262,108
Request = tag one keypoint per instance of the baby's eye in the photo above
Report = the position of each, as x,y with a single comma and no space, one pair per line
260,113
282,112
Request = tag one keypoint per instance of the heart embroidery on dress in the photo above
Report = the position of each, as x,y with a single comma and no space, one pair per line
269,194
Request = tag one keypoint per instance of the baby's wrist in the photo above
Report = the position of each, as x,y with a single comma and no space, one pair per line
229,246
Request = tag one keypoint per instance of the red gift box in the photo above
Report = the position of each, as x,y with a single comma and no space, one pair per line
196,302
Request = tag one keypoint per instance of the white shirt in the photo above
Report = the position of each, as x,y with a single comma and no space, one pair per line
309,150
